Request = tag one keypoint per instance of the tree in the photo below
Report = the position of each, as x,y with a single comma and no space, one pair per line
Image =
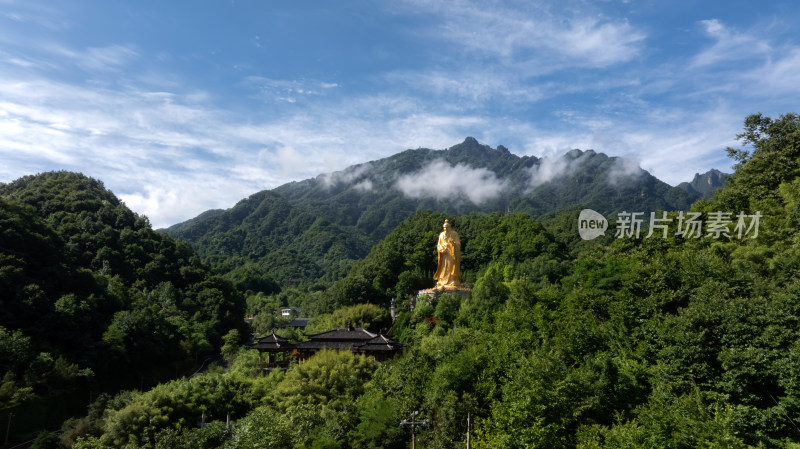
252,277
326,376
368,316
46,440
230,345
774,159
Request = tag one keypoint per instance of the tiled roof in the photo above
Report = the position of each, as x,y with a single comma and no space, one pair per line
316,345
272,342
380,343
298,322
357,340
344,334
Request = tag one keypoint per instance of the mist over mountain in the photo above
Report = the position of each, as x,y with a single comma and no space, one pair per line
312,228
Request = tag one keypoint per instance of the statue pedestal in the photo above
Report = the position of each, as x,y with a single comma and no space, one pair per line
461,291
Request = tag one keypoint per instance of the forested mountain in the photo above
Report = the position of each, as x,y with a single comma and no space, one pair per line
92,298
314,228
668,341
405,260
290,242
706,184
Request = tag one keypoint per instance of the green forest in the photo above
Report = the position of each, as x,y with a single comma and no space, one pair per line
314,230
675,342
94,300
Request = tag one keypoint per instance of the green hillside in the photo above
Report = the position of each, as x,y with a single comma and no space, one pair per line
315,229
92,299
289,243
676,342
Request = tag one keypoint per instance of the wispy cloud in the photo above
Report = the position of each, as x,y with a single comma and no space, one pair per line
347,176
441,180
146,146
623,170
533,33
172,155
729,45
777,77
34,14
551,168
538,77
470,87
364,186
95,59
289,91
666,141
751,65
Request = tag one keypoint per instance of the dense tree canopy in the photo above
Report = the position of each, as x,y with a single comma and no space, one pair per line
89,289
562,343
314,230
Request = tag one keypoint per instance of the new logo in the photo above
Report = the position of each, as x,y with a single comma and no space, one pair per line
591,224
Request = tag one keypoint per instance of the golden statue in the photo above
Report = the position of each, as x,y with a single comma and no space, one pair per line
448,273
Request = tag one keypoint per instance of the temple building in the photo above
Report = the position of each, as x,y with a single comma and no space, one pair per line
357,340
273,345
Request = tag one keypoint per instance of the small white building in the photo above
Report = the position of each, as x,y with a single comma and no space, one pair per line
290,311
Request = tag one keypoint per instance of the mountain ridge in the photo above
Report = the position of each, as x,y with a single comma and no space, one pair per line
356,207
704,185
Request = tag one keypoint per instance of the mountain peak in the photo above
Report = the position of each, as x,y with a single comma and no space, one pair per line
363,203
472,142
706,183
474,153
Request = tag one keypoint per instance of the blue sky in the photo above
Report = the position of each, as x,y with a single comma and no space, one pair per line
179,106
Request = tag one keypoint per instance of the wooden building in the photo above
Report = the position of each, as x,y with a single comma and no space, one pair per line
274,346
357,340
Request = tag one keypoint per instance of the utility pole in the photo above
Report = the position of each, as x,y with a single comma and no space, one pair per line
8,428
469,445
413,432
413,423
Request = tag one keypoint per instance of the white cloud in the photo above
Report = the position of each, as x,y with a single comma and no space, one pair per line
289,91
346,176
93,59
550,168
672,148
533,32
442,181
624,169
778,76
729,45
107,58
508,74
471,87
146,145
290,159
364,186
167,198
600,42
34,14
156,146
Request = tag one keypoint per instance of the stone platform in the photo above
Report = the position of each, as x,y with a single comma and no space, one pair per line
462,291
